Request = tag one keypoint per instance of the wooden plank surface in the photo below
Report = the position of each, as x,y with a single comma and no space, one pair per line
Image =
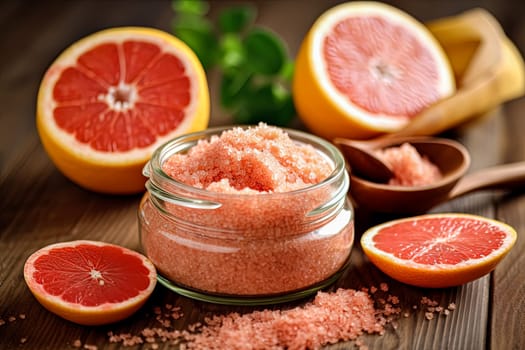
38,206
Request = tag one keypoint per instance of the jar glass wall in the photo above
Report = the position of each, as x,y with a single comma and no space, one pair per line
246,248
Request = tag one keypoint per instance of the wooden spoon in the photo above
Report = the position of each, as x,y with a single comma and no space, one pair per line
363,161
416,200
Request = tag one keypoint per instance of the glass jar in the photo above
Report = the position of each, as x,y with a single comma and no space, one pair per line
246,248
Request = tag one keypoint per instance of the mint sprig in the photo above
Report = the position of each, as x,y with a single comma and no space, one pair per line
254,66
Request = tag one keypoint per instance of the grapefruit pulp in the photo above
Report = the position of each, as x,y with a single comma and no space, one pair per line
89,282
367,68
438,250
113,97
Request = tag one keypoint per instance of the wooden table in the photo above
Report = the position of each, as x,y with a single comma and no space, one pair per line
39,206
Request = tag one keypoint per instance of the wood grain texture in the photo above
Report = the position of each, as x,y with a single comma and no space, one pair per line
39,206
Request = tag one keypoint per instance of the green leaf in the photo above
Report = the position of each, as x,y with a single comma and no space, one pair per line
232,55
198,34
234,89
236,19
192,7
265,51
270,103
287,71
254,66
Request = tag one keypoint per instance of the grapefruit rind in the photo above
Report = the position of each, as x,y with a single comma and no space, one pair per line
81,314
439,275
329,113
107,172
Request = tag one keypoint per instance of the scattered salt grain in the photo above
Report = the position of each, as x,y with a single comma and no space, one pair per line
408,166
332,317
433,308
77,343
2,322
429,315
342,315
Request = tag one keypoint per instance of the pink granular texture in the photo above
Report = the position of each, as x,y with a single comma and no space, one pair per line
330,318
254,160
260,240
409,167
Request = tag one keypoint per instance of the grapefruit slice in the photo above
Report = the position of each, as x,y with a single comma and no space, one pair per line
89,282
367,68
113,97
438,250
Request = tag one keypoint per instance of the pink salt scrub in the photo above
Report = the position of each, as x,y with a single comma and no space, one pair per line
409,167
260,240
255,160
331,317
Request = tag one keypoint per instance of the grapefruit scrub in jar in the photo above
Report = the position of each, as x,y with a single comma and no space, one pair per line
247,215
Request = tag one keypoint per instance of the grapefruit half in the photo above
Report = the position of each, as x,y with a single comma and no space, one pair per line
367,68
113,97
438,250
89,282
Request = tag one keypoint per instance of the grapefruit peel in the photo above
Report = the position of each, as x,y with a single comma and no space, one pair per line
439,275
104,313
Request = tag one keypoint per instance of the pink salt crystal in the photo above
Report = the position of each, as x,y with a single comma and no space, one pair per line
330,318
393,299
77,343
409,167
260,159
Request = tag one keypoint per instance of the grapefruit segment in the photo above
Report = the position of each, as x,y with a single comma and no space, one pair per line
89,282
367,68
438,250
112,98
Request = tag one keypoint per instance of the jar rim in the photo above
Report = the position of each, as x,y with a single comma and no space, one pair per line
153,169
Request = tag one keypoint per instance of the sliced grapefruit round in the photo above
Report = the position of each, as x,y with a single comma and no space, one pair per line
438,250
89,282
367,68
113,97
